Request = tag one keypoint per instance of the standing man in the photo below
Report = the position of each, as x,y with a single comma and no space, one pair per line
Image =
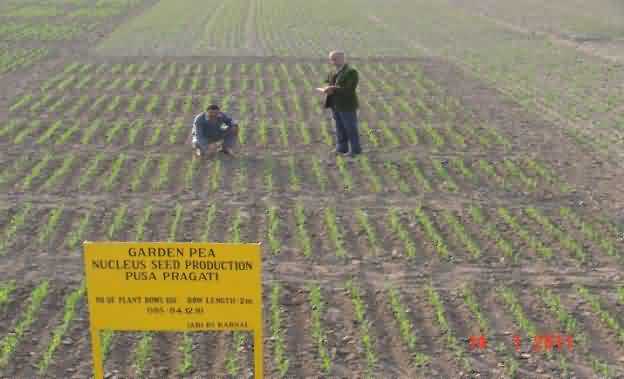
212,126
342,99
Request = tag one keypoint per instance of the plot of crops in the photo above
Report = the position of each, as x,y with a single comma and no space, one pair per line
476,236
57,20
23,58
254,28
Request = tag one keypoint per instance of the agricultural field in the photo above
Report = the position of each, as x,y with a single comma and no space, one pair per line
599,20
484,217
273,28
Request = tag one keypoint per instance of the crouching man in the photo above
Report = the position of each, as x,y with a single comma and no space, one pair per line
213,126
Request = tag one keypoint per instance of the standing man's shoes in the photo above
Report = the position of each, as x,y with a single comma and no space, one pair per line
341,149
198,152
226,151
354,154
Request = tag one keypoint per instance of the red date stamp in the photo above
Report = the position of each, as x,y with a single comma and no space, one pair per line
542,342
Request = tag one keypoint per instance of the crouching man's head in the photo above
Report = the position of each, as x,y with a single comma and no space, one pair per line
212,111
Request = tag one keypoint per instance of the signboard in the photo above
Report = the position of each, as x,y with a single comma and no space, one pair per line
173,286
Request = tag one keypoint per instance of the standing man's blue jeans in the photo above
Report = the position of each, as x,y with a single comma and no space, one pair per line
347,134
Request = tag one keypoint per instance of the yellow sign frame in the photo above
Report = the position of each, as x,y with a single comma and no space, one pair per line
136,286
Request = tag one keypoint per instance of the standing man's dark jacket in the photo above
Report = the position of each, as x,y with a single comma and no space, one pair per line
344,99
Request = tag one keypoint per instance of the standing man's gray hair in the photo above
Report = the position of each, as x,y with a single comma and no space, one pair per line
338,55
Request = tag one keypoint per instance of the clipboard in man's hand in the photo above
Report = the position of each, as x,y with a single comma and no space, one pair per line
327,90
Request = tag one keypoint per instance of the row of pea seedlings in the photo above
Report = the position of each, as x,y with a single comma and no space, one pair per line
10,342
367,338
